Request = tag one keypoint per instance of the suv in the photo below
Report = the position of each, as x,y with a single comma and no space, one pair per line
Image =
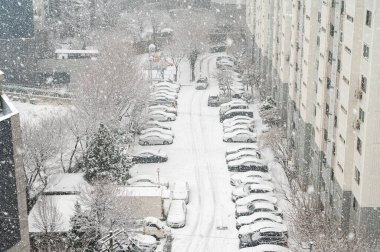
213,101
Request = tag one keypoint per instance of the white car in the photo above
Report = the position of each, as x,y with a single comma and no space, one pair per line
241,147
177,214
163,96
181,191
164,108
248,189
155,124
158,130
247,164
161,116
241,119
150,156
241,154
265,248
258,216
166,88
240,136
147,180
170,85
238,127
146,243
234,104
165,92
258,206
239,178
246,200
156,228
255,227
155,138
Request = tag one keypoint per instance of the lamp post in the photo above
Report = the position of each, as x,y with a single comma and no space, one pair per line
151,49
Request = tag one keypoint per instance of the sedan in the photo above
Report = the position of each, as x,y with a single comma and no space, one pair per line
166,85
265,248
258,206
241,154
158,130
165,88
240,178
155,124
164,108
238,127
162,92
250,229
246,200
163,96
258,216
241,147
240,136
248,164
155,138
147,180
177,214
161,116
181,191
246,190
143,242
240,118
150,156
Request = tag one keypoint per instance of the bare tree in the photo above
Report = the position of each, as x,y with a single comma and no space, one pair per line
176,54
225,81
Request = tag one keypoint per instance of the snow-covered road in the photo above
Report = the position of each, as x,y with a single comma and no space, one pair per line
197,155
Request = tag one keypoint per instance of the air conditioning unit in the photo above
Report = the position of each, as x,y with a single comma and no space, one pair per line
356,124
358,94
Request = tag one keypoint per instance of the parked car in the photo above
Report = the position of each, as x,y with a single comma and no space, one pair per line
265,248
164,108
237,92
165,88
202,83
239,178
218,48
246,200
241,147
155,138
266,236
158,130
156,228
243,191
246,232
146,243
248,164
238,127
238,120
166,84
163,96
240,136
213,101
162,116
241,154
150,156
162,92
223,110
181,191
163,101
147,180
236,112
255,217
155,124
258,206
227,106
224,63
177,214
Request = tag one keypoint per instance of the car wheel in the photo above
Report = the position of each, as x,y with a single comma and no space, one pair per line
166,142
146,143
250,140
229,140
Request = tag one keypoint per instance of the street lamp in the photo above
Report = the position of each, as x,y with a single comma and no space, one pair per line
151,50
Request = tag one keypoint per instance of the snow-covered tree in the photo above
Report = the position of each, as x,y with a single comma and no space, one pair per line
225,81
104,158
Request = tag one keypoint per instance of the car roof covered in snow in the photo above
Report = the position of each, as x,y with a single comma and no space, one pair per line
256,196
257,226
247,160
257,216
150,134
242,146
240,131
247,174
265,248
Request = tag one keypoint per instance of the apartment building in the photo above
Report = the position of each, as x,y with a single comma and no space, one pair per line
320,59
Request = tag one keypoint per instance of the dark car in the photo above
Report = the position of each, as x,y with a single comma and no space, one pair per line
236,112
266,236
150,157
202,83
218,48
213,101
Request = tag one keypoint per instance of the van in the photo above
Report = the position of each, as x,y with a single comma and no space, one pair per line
236,112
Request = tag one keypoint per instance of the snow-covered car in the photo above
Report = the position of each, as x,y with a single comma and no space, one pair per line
147,180
248,164
236,112
240,192
246,200
241,147
155,124
162,116
234,104
245,232
150,156
258,206
219,58
165,88
237,120
266,236
224,63
213,101
240,136
181,191
237,92
155,138
177,214
265,248
166,84
239,178
158,130
241,154
162,101
164,108
162,92
146,243
202,83
257,216
155,227
163,96
238,127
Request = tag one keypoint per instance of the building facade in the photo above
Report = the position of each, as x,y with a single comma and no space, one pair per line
320,62
14,234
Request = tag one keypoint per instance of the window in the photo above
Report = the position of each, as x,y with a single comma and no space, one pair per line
325,134
327,110
357,175
359,145
330,57
363,85
328,82
319,17
368,18
349,18
338,66
361,115
365,51
335,121
332,30
355,204
334,149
